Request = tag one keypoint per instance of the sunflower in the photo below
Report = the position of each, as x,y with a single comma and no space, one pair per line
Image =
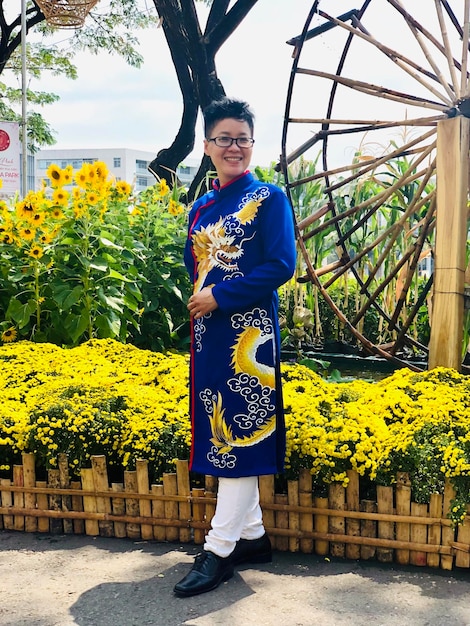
57,214
25,209
92,197
101,170
162,188
174,208
79,209
36,252
37,218
76,193
81,177
68,175
46,238
7,238
27,234
60,196
55,175
123,188
9,335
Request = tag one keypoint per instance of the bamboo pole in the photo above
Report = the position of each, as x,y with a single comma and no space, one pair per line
462,557
42,503
294,518
368,529
198,516
56,526
353,526
266,497
132,504
7,502
305,500
418,534
29,480
321,526
337,500
403,507
118,507
448,533
385,529
18,497
434,532
170,486
158,511
445,346
101,483
281,516
64,483
145,506
89,502
184,489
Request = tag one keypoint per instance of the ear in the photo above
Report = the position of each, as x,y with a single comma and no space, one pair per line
206,147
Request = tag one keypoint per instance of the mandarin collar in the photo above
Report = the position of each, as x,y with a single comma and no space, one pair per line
234,186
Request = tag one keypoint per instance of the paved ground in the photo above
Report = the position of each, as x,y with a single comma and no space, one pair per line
64,580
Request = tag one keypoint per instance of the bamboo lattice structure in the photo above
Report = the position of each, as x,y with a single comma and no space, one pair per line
345,524
428,60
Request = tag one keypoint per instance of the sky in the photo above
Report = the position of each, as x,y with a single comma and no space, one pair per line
114,105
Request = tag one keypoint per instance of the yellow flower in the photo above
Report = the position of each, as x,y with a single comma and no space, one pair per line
162,188
174,208
123,188
101,170
55,175
81,177
60,197
36,252
37,218
92,197
9,335
27,234
57,214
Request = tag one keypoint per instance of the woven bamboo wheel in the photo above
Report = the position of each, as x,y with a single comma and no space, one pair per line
66,13
380,78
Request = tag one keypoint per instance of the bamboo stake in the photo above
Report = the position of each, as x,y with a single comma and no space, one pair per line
336,498
321,526
77,505
7,502
64,483
368,529
403,507
282,521
353,526
42,503
101,483
418,534
462,559
89,502
266,497
385,529
145,506
170,486
29,480
448,51
376,124
184,489
18,497
466,35
211,485
305,499
434,532
55,501
118,506
132,504
198,516
158,511
294,518
448,533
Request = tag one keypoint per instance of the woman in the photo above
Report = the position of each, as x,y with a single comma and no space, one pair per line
240,249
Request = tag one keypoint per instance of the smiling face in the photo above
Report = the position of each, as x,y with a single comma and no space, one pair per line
232,161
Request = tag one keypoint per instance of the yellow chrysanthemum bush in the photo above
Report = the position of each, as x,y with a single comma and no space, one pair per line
83,257
105,397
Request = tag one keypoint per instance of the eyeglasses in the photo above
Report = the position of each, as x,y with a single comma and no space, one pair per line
226,142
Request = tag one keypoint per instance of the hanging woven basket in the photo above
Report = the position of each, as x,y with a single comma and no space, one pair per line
66,13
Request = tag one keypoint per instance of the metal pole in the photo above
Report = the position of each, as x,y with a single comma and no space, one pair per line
24,103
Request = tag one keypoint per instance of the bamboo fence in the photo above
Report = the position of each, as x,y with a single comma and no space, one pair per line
391,528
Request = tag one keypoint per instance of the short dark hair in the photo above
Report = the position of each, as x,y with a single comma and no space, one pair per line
227,108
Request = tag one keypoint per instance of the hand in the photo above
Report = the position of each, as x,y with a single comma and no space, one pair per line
201,303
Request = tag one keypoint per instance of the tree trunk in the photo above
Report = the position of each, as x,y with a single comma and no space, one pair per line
193,55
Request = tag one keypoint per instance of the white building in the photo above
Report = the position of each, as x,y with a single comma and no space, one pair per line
123,163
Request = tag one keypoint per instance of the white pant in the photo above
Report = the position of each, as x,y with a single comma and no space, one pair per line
237,515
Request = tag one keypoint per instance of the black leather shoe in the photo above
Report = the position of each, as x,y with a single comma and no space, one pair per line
252,551
208,571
